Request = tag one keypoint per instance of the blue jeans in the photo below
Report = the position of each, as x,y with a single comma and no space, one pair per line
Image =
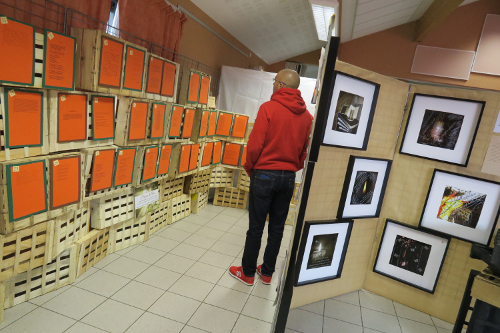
270,193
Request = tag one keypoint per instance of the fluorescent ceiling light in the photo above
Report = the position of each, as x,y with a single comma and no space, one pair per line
322,16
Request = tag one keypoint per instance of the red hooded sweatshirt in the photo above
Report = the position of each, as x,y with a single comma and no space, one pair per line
280,136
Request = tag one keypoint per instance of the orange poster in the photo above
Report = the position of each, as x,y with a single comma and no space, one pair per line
212,123
168,82
187,127
134,68
155,72
17,58
124,166
158,120
240,126
232,152
217,152
26,189
224,124
110,72
176,121
65,186
59,64
243,158
138,120
193,161
103,117
72,117
194,87
102,170
207,154
166,152
204,123
150,159
23,118
204,89
184,159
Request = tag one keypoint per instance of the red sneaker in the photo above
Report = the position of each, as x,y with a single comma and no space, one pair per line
237,273
265,279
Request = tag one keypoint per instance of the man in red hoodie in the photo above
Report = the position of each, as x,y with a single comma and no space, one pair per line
277,148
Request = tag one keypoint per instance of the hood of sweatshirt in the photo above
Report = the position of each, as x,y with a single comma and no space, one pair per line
291,99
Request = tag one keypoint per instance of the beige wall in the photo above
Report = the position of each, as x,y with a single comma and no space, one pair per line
311,58
390,52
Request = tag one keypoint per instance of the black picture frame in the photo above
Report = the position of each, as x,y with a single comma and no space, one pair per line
443,234
401,280
302,246
449,98
347,181
328,87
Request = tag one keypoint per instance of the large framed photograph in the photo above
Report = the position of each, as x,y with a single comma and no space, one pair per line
322,251
364,188
351,109
461,206
441,128
411,256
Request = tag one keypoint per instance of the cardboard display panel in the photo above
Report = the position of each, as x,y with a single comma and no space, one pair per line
164,164
72,117
204,89
208,149
134,68
193,160
124,168
102,170
103,117
155,73
194,87
212,123
158,120
150,163
110,69
176,121
17,59
216,159
138,120
65,181
169,79
23,118
205,114
240,126
60,61
232,154
184,158
224,124
187,126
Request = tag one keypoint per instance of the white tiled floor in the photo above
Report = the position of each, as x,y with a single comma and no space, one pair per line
175,282
362,312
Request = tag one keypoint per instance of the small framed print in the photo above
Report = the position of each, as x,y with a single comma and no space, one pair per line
411,256
463,207
442,128
322,251
364,188
351,110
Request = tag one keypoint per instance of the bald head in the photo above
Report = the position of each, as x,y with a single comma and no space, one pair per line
286,78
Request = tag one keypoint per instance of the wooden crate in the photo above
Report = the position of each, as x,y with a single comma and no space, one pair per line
249,130
113,208
88,55
40,280
295,197
222,177
171,188
70,227
139,166
230,197
7,154
184,88
128,233
175,161
180,208
39,60
8,226
159,218
124,111
198,182
54,98
91,249
243,181
199,201
159,97
26,249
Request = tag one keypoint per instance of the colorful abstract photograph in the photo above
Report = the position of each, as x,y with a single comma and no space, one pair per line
410,255
461,206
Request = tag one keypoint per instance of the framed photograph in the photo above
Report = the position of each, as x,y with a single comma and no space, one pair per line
364,188
442,128
461,206
322,251
411,256
351,111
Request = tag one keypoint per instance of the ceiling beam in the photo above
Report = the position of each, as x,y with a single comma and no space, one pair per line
437,12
